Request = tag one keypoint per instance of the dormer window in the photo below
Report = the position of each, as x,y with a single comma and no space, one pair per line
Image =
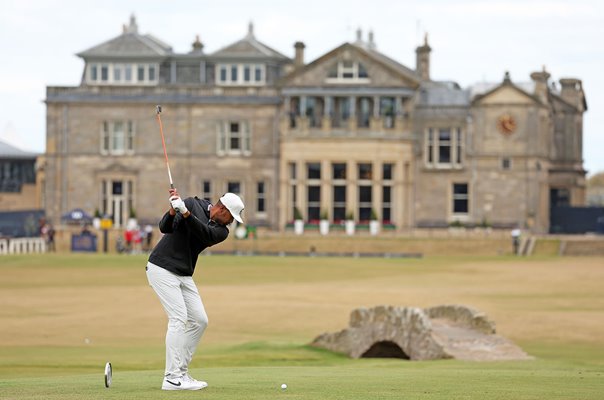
240,74
122,74
348,72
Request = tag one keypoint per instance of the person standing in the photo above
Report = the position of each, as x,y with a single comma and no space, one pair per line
189,226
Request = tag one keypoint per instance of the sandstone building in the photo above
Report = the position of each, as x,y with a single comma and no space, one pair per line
352,133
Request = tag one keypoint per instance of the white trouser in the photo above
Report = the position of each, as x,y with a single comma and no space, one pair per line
187,319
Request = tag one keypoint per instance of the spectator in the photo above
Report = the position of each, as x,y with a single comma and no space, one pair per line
50,238
128,239
148,237
516,240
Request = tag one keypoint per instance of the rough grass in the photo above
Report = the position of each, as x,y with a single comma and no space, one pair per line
64,316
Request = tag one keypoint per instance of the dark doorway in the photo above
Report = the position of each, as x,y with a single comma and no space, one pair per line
385,349
559,197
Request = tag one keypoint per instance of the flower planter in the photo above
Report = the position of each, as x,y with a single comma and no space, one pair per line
298,227
324,227
350,225
374,227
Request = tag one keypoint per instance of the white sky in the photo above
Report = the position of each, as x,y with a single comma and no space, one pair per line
472,41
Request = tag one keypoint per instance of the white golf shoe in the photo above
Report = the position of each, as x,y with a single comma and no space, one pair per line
182,383
190,379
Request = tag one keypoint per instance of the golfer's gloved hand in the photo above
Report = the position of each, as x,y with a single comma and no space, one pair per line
178,204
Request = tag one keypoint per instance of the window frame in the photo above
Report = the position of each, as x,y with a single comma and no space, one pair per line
456,215
433,144
225,136
109,141
128,73
224,73
342,71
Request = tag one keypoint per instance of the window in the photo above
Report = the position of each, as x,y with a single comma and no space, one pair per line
365,172
94,72
122,74
364,202
240,74
117,137
151,73
313,170
128,73
341,112
387,204
206,190
364,110
234,138
339,171
387,172
314,202
292,170
258,73
339,203
443,147
506,163
234,187
117,73
260,197
140,73
387,111
460,198
347,71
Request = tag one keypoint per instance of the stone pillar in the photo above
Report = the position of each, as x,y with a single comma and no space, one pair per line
327,107
352,118
375,120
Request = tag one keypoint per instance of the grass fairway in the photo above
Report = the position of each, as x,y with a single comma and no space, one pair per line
63,316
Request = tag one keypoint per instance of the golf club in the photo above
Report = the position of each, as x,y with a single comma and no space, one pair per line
163,142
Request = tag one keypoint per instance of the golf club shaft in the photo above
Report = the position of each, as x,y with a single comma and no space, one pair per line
163,142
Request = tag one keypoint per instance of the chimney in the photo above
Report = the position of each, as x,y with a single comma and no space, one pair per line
541,84
359,36
422,61
197,45
371,43
299,60
572,92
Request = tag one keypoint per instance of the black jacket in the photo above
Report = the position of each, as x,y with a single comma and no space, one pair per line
185,238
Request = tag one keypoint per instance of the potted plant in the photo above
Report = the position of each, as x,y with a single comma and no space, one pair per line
298,222
349,223
374,224
96,220
324,223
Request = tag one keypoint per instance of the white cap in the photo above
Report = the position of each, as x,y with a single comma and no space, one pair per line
234,204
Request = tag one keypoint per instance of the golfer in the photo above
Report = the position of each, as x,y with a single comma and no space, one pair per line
189,226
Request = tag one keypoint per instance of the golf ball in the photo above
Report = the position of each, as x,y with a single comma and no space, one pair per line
283,386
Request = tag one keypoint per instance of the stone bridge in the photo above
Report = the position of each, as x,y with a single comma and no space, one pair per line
449,331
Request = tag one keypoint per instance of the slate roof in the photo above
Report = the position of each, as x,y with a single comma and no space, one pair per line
448,93
249,47
129,44
9,151
445,93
